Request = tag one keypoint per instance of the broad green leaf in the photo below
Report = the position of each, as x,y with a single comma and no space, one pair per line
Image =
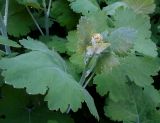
77,59
17,107
138,108
42,71
110,1
72,39
112,82
84,6
31,44
59,44
63,14
55,42
142,25
128,18
107,62
8,42
141,69
137,69
19,22
111,9
146,47
32,3
122,40
141,6
72,69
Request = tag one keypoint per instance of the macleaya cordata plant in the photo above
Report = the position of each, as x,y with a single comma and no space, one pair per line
110,47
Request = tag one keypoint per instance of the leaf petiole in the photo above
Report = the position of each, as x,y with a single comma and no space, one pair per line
35,21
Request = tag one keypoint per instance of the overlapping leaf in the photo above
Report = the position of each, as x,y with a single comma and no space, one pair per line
55,42
84,6
8,42
72,43
137,69
42,71
122,40
107,62
19,22
141,24
32,3
17,107
111,9
142,6
139,107
63,14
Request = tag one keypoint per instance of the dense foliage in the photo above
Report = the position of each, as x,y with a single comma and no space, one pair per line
66,61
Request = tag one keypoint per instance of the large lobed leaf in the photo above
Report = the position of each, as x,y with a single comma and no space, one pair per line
137,69
63,14
141,6
19,22
122,40
32,3
17,107
141,23
42,71
84,6
8,42
139,106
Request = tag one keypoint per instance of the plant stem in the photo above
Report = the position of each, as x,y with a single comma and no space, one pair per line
46,12
87,82
5,20
35,21
85,75
6,13
91,70
68,109
49,8
3,23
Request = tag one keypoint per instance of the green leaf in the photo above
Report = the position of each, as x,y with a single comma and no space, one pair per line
72,69
17,107
107,62
55,42
63,14
59,44
111,9
146,47
141,22
32,3
139,107
19,22
142,25
113,82
77,59
8,42
72,43
137,69
122,40
42,71
84,6
31,44
141,6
